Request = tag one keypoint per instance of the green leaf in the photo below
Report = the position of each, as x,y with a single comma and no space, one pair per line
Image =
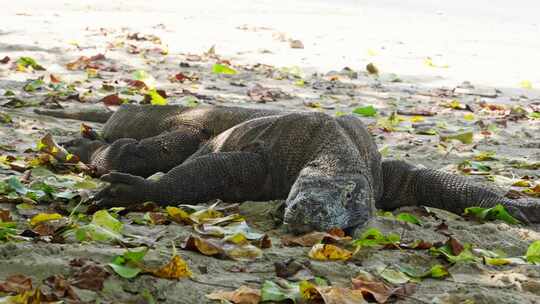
125,271
409,218
394,276
436,271
126,265
29,62
223,69
271,291
156,98
104,227
374,237
533,253
367,111
495,213
465,137
7,229
34,85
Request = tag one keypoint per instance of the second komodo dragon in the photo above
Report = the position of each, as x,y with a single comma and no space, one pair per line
328,170
143,140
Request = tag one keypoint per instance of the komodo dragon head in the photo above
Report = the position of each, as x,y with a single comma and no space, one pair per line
321,203
83,147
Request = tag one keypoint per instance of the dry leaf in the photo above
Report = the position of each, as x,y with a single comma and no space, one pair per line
243,295
327,252
16,283
177,268
312,238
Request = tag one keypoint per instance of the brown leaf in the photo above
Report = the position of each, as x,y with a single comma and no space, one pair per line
88,275
5,60
261,94
337,295
311,239
180,77
218,247
243,295
5,216
54,78
112,100
159,218
293,270
16,283
455,245
60,288
138,84
378,290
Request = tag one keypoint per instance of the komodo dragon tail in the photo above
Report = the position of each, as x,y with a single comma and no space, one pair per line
407,185
92,114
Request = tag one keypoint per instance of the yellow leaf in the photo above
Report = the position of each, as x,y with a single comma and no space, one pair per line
328,252
435,63
178,215
237,238
417,119
468,117
308,291
91,73
202,216
44,217
177,268
522,183
526,84
455,104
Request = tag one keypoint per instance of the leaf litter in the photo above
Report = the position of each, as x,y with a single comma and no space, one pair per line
42,188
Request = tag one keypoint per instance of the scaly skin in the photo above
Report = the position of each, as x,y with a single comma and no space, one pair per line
142,140
328,170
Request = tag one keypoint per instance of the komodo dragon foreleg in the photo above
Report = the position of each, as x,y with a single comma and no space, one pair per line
407,185
150,155
231,176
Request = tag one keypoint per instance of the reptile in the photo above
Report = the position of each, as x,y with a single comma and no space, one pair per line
327,169
143,140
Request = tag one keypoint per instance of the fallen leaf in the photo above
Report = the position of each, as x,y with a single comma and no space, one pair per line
223,69
533,253
112,100
177,268
367,111
16,283
88,275
242,295
372,69
311,239
43,217
328,252
497,212
337,295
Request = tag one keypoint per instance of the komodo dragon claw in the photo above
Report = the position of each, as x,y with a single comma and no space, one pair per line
124,189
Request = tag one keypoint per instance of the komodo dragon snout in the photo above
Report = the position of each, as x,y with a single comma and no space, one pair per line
323,203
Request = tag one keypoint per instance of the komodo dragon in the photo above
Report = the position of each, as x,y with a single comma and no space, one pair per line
328,170
143,140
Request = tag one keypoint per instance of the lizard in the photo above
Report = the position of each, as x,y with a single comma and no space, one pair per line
327,169
145,139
